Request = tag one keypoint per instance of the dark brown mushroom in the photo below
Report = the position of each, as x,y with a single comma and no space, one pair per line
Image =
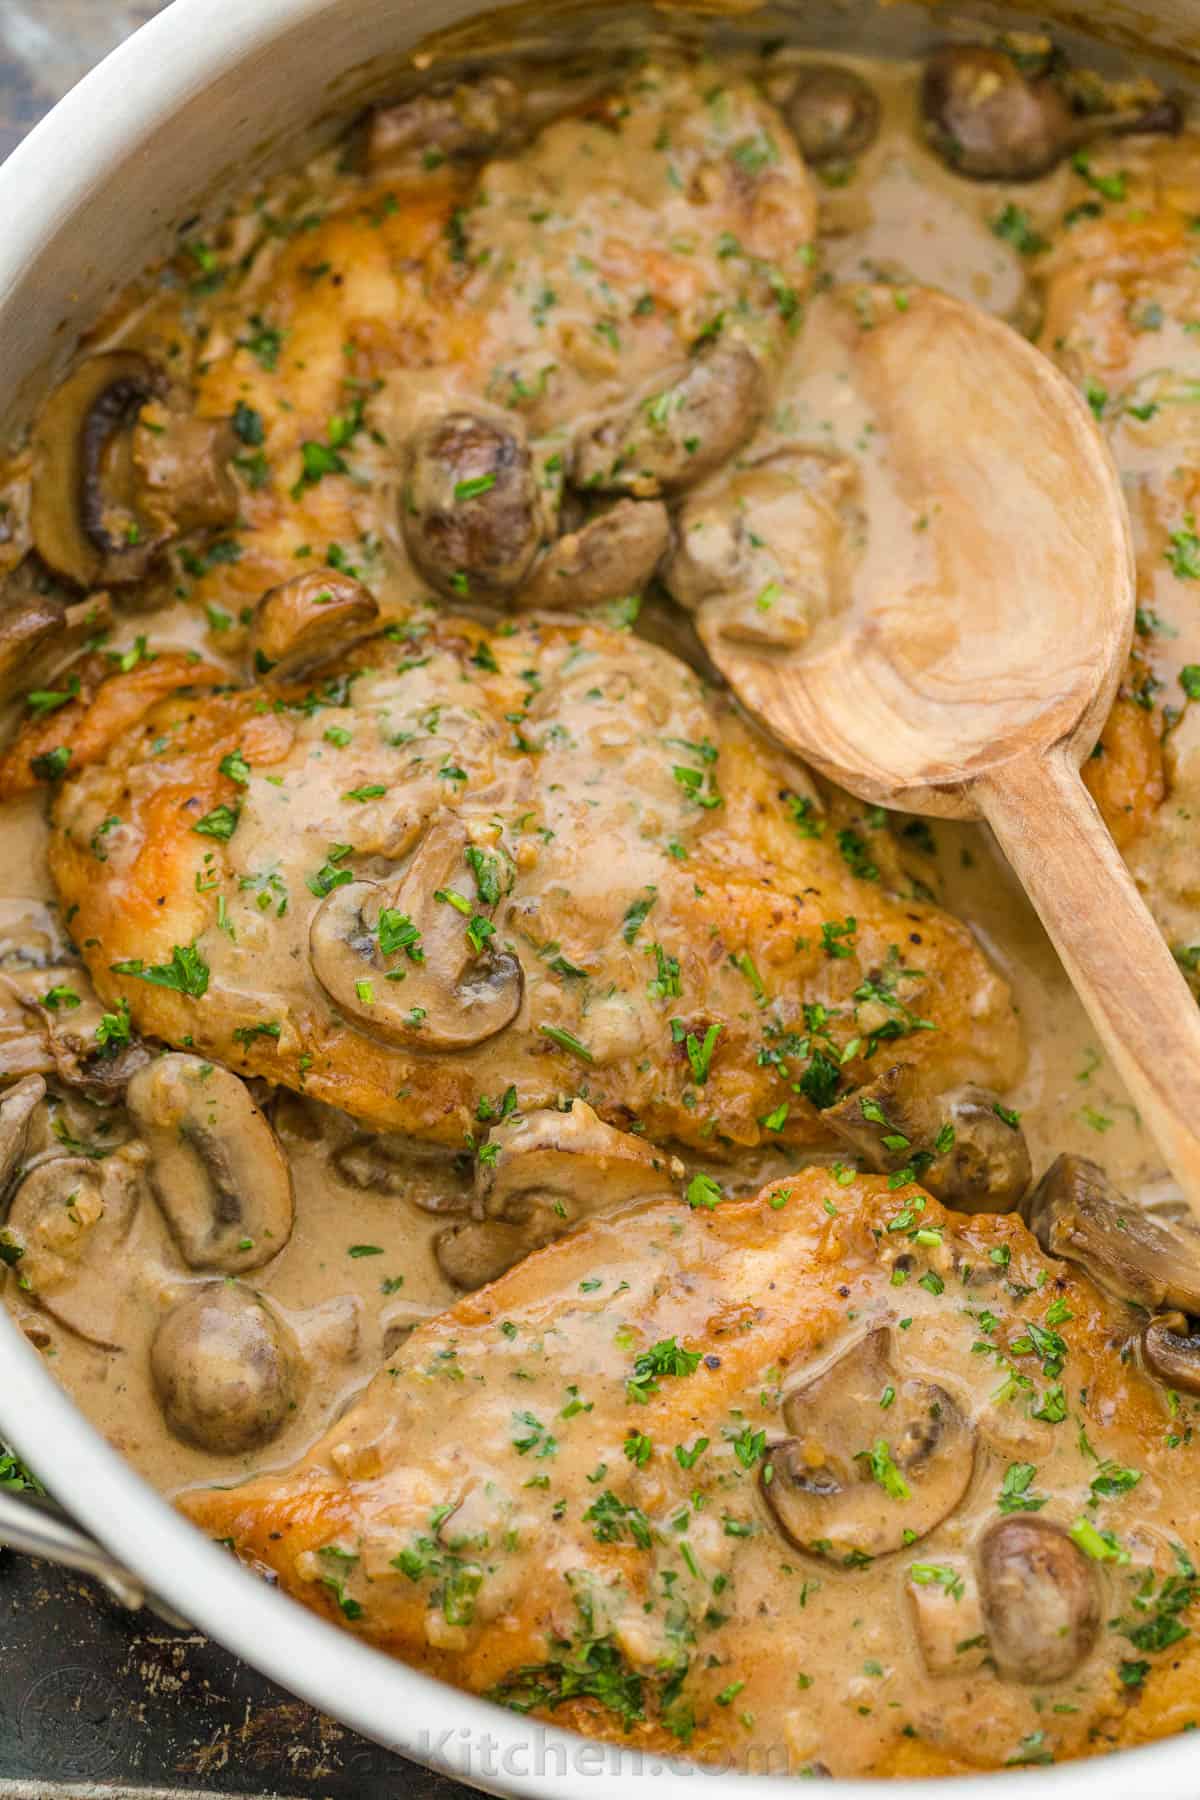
68,1234
217,1168
612,555
1041,1600
411,961
978,1159
471,508
832,113
226,1369
988,119
1171,1352
308,621
1075,1212
856,1481
674,436
108,492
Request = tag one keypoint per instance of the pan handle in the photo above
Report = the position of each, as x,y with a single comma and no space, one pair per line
37,1526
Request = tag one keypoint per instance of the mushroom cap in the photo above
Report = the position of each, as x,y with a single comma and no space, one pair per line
833,114
841,1490
471,509
216,1168
1076,1213
72,1219
1041,1599
987,120
97,403
673,437
437,994
225,1368
611,555
309,620
1171,1352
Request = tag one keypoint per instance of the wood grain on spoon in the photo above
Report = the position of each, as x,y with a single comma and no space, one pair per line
990,618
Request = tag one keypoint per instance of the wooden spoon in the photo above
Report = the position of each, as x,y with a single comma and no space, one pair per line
989,621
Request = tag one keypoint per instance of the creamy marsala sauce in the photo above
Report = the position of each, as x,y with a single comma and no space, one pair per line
411,960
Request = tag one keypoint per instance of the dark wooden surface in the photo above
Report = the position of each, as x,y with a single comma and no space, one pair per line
90,1694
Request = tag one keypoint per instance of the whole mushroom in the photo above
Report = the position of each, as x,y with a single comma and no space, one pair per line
1041,1600
471,509
988,119
833,114
226,1369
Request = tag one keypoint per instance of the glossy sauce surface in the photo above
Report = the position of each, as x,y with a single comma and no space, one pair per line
332,318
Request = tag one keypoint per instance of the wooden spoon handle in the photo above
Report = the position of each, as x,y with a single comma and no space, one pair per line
1113,952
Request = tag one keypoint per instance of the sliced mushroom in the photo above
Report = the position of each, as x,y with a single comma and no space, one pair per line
832,113
856,1480
480,1251
108,492
308,621
1171,1352
27,626
217,1169
673,437
988,119
81,1061
434,991
1041,1600
765,552
570,1164
610,556
17,1107
68,1236
1075,1212
985,1167
226,1369
471,508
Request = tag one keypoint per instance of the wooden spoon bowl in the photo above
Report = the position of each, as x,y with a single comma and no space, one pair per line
991,618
